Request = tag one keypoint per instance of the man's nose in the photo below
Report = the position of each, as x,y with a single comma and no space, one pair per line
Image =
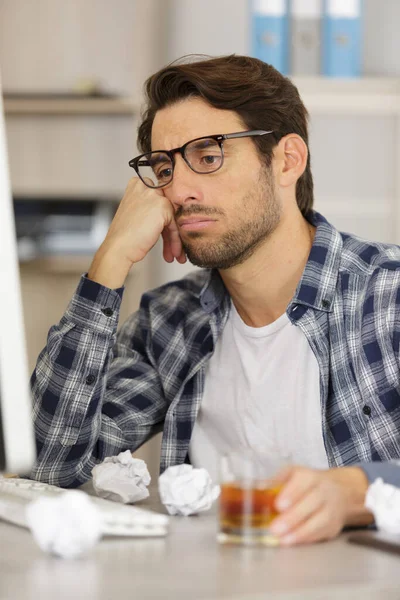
184,187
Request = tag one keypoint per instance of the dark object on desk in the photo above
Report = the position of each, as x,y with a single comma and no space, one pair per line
378,540
60,226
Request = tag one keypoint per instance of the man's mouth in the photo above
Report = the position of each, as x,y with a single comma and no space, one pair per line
195,223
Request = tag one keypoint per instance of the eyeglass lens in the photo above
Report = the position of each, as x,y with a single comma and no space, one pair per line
203,156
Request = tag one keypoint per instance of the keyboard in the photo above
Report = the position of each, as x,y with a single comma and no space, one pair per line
117,519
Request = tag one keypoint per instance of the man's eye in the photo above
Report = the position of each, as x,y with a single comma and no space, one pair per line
164,173
209,159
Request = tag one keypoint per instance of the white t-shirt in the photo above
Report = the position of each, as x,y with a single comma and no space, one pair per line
261,392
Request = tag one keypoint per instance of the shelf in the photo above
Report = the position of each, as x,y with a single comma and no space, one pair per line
65,195
363,96
69,106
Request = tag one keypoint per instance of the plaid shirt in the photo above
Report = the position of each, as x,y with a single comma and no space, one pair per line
97,392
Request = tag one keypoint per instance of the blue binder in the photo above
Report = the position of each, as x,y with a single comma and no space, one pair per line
270,33
341,55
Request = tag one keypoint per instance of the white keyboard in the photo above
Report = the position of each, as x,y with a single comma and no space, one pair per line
117,519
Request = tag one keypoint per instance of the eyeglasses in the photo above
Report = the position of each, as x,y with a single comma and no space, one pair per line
203,155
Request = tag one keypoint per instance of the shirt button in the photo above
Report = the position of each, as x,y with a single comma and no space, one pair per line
367,410
107,311
90,379
325,303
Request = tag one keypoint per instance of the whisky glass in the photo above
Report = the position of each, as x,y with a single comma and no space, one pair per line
250,484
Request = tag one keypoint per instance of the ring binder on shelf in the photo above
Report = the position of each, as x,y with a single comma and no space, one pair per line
342,38
306,33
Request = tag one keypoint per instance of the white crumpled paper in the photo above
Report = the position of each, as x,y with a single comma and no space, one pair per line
383,500
67,524
122,478
186,491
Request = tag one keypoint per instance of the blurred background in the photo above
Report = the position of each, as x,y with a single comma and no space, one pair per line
73,74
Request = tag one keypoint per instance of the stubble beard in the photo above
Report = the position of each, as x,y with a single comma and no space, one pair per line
259,217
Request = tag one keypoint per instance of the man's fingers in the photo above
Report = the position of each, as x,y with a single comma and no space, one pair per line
297,482
311,508
181,258
172,244
316,529
172,241
298,514
175,240
167,252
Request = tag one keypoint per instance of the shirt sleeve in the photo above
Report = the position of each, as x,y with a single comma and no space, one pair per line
95,393
389,471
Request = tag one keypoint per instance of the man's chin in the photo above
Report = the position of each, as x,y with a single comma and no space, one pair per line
199,257
206,259
193,235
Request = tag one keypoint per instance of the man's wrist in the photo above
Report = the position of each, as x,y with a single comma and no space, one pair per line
354,484
109,269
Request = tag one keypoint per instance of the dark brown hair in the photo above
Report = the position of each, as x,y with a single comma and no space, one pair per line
258,93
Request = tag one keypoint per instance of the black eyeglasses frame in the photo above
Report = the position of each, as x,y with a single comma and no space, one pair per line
135,163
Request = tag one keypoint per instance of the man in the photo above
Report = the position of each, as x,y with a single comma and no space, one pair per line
287,342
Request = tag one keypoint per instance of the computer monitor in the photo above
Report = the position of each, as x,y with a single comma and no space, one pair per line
17,447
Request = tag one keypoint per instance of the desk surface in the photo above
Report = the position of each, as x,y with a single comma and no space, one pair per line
189,564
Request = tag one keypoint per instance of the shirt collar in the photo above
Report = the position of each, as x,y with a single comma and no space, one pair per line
318,283
213,291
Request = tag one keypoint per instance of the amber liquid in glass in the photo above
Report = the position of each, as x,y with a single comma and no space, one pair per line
247,512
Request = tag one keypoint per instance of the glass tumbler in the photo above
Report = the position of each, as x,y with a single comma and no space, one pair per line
249,487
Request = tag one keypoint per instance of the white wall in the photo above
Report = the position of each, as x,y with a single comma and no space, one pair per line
381,49
52,46
208,27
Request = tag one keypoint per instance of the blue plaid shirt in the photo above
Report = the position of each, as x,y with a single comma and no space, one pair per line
97,392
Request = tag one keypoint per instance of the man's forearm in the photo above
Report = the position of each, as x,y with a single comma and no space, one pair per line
63,388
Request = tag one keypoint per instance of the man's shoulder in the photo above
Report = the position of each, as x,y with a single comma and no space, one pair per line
365,258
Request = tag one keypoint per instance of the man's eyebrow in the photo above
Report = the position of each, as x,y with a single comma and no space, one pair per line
204,143
159,157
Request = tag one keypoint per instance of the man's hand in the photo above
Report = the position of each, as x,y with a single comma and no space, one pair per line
315,505
143,215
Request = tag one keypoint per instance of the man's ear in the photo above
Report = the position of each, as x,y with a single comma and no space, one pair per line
292,155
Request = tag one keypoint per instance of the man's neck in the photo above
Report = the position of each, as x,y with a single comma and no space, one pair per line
262,287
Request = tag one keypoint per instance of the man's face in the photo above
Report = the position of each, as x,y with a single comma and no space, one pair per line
223,217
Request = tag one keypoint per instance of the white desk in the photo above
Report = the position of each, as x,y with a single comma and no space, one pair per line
189,564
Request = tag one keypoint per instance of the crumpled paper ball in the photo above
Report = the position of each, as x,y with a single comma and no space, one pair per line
383,500
185,490
122,478
67,524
